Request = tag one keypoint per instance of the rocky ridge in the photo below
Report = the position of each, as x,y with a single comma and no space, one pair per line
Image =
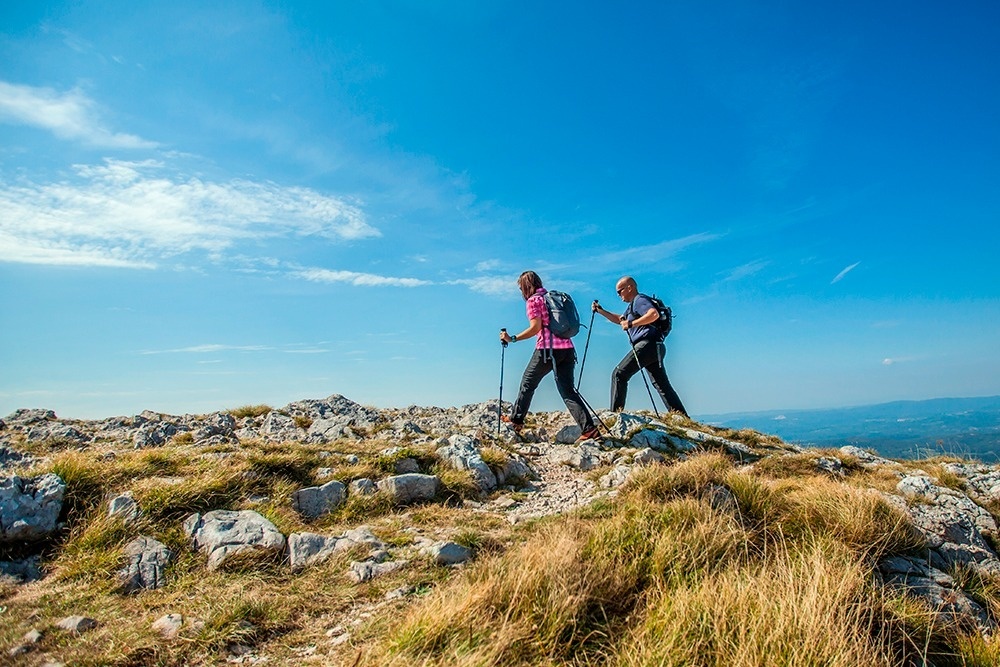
543,471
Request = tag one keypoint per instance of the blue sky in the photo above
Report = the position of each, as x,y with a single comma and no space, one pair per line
207,205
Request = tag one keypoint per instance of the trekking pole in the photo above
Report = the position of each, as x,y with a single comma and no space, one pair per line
586,346
503,348
642,372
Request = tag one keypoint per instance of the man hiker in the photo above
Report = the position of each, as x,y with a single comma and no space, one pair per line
647,350
551,352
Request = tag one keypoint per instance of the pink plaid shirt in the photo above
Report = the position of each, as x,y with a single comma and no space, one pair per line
535,307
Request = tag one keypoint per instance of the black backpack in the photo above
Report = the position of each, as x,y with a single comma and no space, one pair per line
564,320
666,321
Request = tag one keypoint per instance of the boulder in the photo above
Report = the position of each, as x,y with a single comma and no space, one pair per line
955,527
147,564
315,501
938,590
448,553
462,453
29,507
568,435
410,488
221,534
305,549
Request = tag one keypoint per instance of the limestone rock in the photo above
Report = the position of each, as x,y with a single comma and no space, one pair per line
221,534
954,526
124,507
29,507
76,624
168,626
462,453
918,579
315,501
147,565
448,553
410,488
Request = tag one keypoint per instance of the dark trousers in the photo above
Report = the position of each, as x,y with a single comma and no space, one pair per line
650,354
539,366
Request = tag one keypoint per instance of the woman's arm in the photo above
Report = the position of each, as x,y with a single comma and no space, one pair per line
534,326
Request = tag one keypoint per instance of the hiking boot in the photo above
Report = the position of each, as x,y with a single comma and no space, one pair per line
514,425
592,434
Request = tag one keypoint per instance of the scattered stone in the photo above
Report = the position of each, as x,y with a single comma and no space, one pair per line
645,457
154,434
362,571
568,435
615,478
124,507
168,626
76,624
864,458
10,458
448,553
305,549
315,501
362,487
831,466
955,527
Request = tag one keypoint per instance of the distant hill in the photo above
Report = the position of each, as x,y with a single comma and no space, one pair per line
967,427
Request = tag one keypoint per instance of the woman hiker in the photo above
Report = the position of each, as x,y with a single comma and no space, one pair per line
550,352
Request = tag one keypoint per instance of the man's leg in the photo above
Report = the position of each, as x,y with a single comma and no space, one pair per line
565,362
654,354
533,374
623,372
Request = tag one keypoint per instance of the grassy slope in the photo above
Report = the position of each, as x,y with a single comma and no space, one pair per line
779,570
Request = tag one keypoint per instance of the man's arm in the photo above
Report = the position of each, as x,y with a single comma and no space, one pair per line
614,318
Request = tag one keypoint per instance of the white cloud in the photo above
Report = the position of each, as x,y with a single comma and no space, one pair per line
843,273
358,279
71,115
503,286
131,214
488,265
890,361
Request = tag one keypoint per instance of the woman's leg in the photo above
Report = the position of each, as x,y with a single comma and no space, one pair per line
533,374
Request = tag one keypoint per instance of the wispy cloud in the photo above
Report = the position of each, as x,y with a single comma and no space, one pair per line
840,276
134,214
745,270
211,348
68,115
654,253
358,279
